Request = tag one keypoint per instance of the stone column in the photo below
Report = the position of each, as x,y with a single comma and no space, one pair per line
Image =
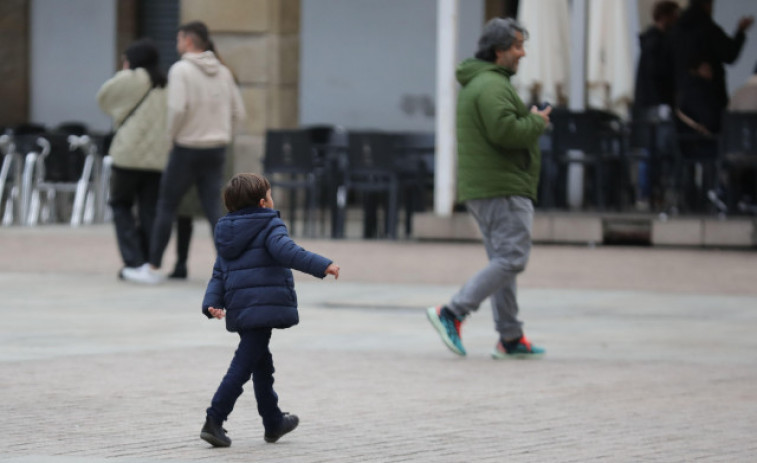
259,41
14,62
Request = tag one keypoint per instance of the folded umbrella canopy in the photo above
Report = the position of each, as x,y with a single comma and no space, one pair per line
543,74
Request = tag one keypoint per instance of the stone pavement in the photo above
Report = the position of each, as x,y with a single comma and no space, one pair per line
652,356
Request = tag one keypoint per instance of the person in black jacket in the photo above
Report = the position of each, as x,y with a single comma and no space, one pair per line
654,98
655,75
253,288
697,37
700,49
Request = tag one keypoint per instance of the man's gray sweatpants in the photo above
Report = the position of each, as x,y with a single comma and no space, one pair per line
505,224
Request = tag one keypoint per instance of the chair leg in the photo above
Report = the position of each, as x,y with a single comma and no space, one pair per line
340,211
292,209
82,189
392,212
599,185
310,211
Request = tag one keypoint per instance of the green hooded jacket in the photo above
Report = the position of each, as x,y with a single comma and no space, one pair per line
497,136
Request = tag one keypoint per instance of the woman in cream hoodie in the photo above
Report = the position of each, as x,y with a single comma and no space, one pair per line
136,100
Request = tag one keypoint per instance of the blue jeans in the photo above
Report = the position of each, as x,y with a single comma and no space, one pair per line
202,167
251,360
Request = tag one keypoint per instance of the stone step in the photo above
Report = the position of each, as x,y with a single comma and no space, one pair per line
597,228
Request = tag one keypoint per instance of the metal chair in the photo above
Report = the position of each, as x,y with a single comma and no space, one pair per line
289,163
61,167
594,140
696,170
415,153
10,180
738,154
370,169
330,145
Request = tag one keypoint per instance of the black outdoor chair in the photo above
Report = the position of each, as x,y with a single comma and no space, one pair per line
414,153
330,145
738,158
29,128
548,174
73,128
370,169
599,136
290,164
696,169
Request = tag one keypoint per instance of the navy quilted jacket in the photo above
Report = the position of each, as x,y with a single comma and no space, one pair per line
252,279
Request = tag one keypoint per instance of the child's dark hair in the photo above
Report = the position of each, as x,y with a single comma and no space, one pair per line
245,190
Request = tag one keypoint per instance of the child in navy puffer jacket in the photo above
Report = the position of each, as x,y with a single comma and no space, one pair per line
252,286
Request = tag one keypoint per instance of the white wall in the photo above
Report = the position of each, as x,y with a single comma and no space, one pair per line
727,14
73,46
372,64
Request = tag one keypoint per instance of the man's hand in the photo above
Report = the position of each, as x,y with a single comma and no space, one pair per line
217,313
333,269
544,113
745,23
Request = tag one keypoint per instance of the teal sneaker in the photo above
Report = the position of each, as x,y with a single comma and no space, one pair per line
448,326
520,348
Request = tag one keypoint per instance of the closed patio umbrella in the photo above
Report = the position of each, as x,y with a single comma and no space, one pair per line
543,73
610,72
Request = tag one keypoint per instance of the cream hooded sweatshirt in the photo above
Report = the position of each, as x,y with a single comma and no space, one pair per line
204,104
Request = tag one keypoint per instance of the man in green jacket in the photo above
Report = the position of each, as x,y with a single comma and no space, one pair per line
497,179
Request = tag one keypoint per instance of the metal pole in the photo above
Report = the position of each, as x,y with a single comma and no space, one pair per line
632,7
577,97
446,95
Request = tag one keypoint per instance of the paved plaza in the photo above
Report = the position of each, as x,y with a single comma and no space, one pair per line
651,356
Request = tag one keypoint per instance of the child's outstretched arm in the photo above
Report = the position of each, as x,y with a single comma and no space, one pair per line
290,254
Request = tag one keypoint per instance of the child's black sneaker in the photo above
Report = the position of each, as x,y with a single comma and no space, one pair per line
214,434
288,423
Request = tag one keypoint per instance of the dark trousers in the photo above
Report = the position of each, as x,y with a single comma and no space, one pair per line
184,229
127,188
202,167
251,360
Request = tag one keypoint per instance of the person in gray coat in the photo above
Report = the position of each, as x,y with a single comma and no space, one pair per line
135,98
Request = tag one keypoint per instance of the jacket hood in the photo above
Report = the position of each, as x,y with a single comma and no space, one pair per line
472,67
206,61
236,230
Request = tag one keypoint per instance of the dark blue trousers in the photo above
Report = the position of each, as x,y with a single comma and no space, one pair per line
202,167
251,360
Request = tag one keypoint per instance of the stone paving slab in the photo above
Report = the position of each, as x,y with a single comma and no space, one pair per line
93,369
116,372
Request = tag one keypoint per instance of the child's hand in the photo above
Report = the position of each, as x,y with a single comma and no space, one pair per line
217,313
333,269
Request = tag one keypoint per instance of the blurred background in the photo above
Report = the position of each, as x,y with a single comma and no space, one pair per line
359,66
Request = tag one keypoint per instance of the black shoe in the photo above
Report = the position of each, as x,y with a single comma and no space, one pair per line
214,434
288,423
179,272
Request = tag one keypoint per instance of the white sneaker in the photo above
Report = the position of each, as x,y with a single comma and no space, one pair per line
144,275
